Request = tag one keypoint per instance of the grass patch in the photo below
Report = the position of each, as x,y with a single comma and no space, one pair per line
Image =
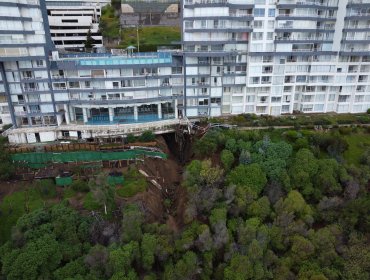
90,203
358,142
14,206
68,192
150,37
46,188
134,183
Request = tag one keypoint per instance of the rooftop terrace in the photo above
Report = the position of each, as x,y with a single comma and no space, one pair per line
87,59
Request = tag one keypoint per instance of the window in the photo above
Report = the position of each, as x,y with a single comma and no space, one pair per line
203,102
271,24
176,70
216,101
259,12
203,24
188,24
301,79
257,36
39,63
270,35
70,20
271,12
258,24
255,80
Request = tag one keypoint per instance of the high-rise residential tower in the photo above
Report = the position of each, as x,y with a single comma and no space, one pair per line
276,56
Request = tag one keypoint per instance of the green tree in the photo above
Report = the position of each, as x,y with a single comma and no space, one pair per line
240,268
102,191
72,270
109,24
121,259
205,146
260,208
187,266
44,240
231,145
6,163
302,171
251,176
89,43
38,259
131,225
301,249
148,247
147,136
245,157
227,159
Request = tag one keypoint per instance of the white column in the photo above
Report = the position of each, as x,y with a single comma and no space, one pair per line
136,115
176,111
66,113
84,112
159,110
72,114
111,114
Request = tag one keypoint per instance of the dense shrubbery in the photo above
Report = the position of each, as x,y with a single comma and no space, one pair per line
6,164
297,120
146,136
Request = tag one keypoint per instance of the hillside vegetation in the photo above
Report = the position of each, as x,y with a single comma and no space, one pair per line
276,204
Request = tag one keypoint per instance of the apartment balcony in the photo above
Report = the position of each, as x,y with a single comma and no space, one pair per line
31,89
356,27
358,2
363,80
293,27
221,28
357,51
304,50
13,52
305,16
217,3
308,3
299,39
28,2
361,38
358,15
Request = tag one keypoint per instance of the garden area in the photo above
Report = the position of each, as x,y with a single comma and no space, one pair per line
150,37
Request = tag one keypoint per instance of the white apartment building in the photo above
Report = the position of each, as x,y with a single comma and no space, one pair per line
276,56
70,21
238,56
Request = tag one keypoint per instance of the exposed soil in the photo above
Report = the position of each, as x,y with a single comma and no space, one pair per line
7,188
164,201
167,201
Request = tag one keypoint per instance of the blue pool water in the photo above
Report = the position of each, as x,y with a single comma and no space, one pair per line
104,119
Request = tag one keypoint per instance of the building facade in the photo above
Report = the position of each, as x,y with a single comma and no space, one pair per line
276,56
238,56
70,22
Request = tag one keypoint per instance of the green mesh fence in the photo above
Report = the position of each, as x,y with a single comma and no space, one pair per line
115,180
63,181
38,160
